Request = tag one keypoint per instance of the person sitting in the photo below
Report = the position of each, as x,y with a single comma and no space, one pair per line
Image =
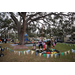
52,48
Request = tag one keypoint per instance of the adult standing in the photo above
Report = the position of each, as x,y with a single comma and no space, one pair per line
55,42
5,40
49,43
40,44
0,40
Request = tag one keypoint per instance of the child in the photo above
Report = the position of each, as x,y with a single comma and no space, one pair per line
34,45
44,45
53,44
52,48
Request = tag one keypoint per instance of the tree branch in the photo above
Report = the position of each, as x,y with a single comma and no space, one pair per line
20,14
40,17
14,18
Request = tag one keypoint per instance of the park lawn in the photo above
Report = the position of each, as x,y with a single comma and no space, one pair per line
64,47
12,57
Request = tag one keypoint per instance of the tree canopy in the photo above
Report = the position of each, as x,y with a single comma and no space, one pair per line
52,23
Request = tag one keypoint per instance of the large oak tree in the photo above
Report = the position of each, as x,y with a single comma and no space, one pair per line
28,19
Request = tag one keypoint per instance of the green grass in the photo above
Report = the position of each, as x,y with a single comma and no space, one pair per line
64,47
11,57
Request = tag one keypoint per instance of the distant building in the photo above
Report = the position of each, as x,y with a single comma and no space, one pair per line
73,36
67,38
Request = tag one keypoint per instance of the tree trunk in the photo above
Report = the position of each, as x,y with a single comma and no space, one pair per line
22,31
21,41
21,28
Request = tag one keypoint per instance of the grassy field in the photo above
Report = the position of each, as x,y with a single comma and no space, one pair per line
12,57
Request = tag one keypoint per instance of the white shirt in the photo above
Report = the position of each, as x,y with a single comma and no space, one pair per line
4,39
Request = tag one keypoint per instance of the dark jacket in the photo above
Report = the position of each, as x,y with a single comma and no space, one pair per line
49,43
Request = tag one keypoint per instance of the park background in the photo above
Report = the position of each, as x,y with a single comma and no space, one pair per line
49,25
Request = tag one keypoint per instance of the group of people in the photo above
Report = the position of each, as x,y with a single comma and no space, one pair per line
45,45
3,40
42,44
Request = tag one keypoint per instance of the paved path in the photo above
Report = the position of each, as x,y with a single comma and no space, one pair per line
1,43
20,47
25,44
30,44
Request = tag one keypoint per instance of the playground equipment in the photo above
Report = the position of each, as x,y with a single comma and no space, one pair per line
26,38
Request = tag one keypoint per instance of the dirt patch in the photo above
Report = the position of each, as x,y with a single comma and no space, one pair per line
20,47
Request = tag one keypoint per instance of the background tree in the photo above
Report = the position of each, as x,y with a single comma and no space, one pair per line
5,24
